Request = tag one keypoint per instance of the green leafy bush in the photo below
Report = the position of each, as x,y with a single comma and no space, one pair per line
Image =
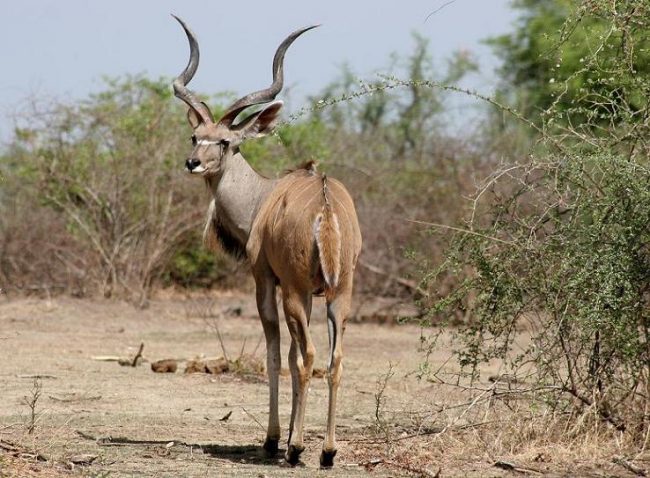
559,243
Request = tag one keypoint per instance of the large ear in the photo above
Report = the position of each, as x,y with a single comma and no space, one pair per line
193,118
260,123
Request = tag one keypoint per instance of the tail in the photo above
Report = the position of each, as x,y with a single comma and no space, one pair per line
328,241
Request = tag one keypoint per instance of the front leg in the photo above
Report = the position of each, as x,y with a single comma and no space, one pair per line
268,310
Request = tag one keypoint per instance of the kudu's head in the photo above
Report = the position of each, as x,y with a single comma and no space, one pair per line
214,141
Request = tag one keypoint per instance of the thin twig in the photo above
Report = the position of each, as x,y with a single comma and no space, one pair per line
226,417
32,401
11,425
38,375
243,347
215,325
466,411
137,356
7,446
438,9
105,358
464,231
638,471
409,284
73,399
257,346
506,465
253,417
393,83
605,414
118,441
402,466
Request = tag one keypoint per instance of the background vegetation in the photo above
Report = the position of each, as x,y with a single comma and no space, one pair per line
558,242
95,200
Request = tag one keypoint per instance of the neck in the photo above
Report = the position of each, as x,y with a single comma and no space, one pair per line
238,194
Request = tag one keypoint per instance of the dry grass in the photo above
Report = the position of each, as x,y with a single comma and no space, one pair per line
452,428
425,426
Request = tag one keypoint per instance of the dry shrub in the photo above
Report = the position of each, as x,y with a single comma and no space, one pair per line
466,429
557,245
248,364
37,253
108,172
95,194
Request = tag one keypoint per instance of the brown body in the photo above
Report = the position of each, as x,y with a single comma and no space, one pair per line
299,232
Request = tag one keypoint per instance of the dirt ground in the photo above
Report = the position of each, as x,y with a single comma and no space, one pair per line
180,419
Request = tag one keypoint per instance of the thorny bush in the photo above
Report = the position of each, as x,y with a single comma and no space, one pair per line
93,196
559,244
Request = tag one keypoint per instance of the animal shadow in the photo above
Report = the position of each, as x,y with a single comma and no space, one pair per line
248,454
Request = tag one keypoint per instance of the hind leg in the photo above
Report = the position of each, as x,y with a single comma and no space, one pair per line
297,308
337,312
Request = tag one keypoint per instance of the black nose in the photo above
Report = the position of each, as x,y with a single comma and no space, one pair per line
192,163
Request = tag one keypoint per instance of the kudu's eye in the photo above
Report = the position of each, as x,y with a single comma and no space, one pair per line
194,140
224,143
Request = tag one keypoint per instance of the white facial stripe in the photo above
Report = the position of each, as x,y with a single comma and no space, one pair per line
205,142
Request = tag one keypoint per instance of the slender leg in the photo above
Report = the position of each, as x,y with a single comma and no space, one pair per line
268,310
295,367
337,312
297,308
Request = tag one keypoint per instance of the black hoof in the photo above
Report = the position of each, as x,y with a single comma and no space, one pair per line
271,446
293,455
327,459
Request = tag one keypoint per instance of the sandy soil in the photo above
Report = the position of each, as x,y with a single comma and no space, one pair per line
82,398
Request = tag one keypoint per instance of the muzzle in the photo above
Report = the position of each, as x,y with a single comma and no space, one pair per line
192,163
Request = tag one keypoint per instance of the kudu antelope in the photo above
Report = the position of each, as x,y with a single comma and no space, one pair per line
299,232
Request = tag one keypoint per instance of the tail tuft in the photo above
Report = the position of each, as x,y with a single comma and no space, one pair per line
328,242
